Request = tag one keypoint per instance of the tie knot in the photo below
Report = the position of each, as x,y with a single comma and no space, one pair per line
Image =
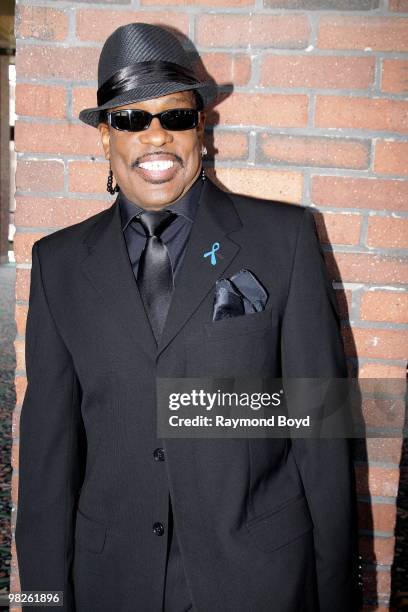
154,222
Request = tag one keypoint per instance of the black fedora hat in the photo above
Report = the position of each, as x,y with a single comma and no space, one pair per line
140,61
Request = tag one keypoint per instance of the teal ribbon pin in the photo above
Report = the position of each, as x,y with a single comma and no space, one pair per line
211,253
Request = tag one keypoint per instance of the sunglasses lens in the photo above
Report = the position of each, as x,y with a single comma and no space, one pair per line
180,119
133,121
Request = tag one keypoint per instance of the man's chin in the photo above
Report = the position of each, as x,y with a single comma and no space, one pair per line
159,195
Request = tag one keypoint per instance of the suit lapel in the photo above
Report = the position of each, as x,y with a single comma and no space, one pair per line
215,219
108,268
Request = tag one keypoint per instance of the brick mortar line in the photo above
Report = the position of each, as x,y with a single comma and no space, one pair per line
370,12
380,326
68,157
364,230
387,326
386,213
395,214
334,249
50,157
378,69
357,250
351,135
377,499
61,195
393,432
311,111
373,287
355,325
373,602
381,535
340,249
355,314
372,150
380,464
259,130
83,195
252,148
369,600
66,176
381,361
69,103
134,5
307,187
362,360
74,196
191,28
389,213
261,49
255,70
376,567
314,22
309,91
239,89
242,164
355,305
23,266
30,42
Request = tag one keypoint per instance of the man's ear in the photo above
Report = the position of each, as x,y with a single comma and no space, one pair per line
201,125
104,131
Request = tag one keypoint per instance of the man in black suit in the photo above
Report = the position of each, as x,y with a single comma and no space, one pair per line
108,513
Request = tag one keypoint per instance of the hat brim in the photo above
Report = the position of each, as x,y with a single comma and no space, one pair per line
94,116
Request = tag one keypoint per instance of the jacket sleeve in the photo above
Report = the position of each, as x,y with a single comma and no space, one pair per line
50,454
312,347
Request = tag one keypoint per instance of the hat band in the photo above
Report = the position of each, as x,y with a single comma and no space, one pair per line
143,73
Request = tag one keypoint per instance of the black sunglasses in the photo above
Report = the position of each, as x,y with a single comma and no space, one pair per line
136,120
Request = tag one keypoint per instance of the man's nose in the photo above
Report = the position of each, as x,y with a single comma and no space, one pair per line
155,134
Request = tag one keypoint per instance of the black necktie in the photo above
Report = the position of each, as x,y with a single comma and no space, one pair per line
155,274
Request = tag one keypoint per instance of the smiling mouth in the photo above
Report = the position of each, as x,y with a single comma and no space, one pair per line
157,171
157,165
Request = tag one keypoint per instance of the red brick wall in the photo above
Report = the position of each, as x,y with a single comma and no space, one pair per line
318,117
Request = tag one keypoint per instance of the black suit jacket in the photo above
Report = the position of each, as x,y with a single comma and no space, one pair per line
262,524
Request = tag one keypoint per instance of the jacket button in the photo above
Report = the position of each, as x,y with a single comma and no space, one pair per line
158,454
158,529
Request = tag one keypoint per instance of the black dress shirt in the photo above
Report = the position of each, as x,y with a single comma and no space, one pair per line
175,236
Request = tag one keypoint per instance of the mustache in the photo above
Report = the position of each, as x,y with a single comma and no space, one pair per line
155,156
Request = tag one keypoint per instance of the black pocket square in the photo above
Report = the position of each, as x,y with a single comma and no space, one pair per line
239,295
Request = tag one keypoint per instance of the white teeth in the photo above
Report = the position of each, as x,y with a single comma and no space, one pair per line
157,165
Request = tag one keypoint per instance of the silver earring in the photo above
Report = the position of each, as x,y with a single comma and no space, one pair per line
203,152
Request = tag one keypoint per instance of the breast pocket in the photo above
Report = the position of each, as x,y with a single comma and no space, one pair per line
239,325
245,345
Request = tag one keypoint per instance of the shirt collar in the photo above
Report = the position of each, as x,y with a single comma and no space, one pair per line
185,207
